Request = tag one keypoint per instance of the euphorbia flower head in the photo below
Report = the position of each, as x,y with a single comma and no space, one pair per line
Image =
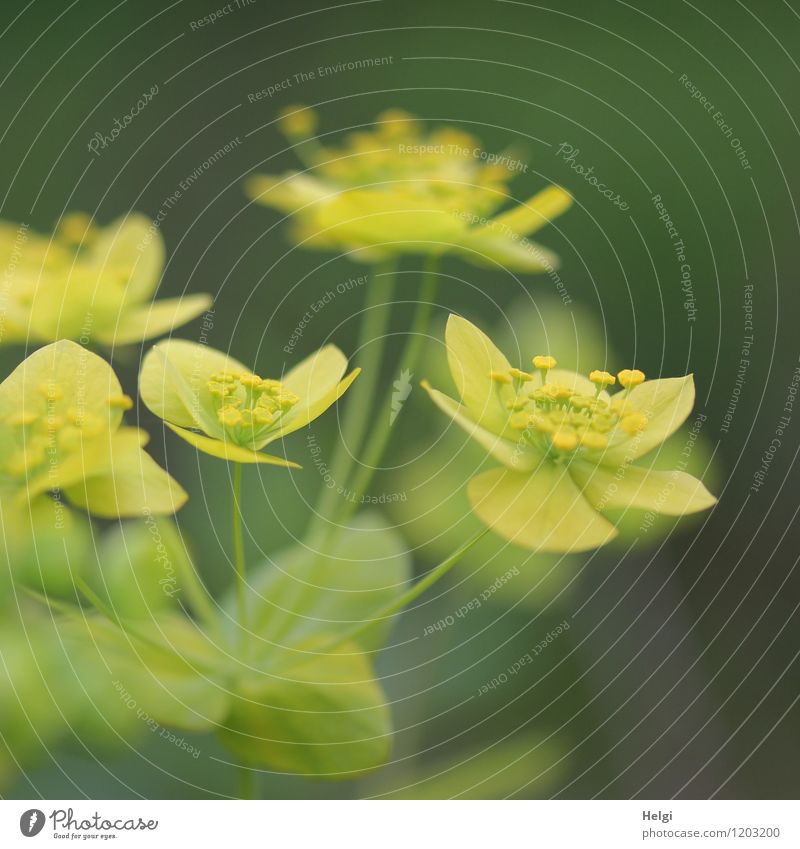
221,407
61,431
397,189
89,283
567,446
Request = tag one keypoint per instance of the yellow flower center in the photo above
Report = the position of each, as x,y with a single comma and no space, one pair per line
560,420
248,406
41,435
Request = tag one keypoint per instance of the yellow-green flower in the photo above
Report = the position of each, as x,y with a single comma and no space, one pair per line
61,432
87,283
218,405
567,446
398,189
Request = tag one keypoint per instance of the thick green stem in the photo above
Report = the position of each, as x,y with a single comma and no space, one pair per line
410,595
356,417
238,552
245,783
379,438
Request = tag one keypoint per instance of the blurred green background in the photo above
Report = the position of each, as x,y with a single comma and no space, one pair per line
678,674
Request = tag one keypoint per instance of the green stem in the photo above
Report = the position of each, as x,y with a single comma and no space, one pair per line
238,552
356,419
245,783
410,595
379,438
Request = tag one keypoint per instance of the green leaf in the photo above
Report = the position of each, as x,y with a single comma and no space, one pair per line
667,404
531,215
473,357
173,378
175,677
224,449
520,455
132,245
673,493
323,716
139,568
300,594
133,483
543,511
45,545
154,319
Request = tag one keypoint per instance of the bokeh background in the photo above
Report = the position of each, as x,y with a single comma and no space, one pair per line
678,674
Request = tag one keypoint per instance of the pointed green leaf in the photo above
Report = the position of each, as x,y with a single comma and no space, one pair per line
472,357
673,493
543,511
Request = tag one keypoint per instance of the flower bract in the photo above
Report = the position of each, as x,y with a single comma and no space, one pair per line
396,189
567,447
221,407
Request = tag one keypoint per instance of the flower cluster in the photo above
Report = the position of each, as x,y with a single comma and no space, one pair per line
218,405
61,430
397,189
89,282
567,446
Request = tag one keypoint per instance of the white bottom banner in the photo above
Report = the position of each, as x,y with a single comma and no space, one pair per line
398,824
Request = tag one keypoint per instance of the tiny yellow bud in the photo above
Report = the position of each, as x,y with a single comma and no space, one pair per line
628,378
516,404
75,227
564,440
500,377
297,122
51,391
544,362
602,379
120,402
270,386
23,417
263,416
519,421
229,416
593,441
633,422
250,381
518,374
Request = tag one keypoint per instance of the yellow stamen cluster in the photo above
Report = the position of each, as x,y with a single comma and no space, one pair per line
41,435
400,155
628,378
247,405
561,420
297,122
